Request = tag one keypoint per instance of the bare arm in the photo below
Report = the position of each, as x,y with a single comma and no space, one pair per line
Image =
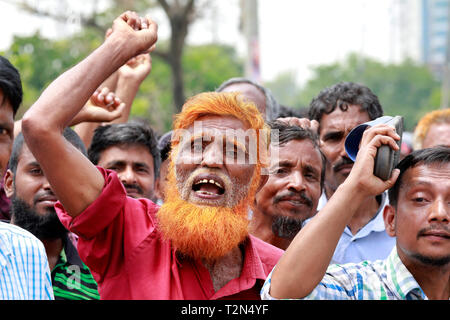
305,261
130,77
74,179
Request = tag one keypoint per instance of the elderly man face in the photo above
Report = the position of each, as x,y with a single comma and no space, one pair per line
212,182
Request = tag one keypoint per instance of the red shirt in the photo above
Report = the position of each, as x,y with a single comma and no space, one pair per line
120,243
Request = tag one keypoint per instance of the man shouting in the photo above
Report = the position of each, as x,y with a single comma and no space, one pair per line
197,245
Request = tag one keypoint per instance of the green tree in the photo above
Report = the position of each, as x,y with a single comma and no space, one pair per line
406,89
40,61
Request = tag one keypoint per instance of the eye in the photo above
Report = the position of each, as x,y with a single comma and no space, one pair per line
281,171
35,171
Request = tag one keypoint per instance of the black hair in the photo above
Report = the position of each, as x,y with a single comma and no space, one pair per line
341,95
10,84
286,133
439,154
131,133
68,133
286,111
165,145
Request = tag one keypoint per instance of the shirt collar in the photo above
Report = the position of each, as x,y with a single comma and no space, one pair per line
399,279
374,225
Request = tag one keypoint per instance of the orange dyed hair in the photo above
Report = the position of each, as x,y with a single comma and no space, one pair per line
436,116
225,104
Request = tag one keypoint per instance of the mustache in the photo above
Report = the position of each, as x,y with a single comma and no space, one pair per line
291,194
133,186
433,227
42,194
342,162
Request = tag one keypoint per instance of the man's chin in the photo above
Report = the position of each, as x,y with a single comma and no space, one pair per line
202,231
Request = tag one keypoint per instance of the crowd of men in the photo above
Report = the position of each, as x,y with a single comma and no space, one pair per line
243,199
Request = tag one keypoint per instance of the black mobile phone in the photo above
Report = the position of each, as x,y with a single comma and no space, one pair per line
387,158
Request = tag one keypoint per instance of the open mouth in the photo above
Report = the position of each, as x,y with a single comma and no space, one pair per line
208,186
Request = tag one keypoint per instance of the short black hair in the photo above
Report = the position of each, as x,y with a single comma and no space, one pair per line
68,133
341,95
165,145
130,133
10,84
435,155
286,133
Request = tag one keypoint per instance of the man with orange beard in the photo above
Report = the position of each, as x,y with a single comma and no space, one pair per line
196,246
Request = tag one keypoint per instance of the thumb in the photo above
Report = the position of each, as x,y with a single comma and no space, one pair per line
392,179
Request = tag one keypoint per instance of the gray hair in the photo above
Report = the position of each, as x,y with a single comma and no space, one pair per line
272,106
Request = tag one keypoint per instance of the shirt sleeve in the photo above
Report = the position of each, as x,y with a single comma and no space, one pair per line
337,284
111,227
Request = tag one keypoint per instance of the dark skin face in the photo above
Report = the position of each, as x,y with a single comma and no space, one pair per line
211,154
134,167
30,183
293,188
6,131
421,218
334,127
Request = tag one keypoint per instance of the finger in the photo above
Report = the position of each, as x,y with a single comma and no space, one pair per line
382,129
144,24
380,140
315,125
393,178
110,98
131,18
102,95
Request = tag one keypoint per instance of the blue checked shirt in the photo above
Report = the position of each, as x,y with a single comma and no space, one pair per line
387,279
24,270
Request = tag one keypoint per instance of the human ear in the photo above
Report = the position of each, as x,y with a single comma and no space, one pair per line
8,183
389,220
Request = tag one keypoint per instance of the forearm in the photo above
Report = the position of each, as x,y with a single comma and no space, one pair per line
127,89
306,260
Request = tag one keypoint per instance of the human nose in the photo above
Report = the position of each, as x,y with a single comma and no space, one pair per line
439,211
296,181
46,185
127,176
212,156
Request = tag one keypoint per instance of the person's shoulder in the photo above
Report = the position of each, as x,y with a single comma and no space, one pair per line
17,236
266,250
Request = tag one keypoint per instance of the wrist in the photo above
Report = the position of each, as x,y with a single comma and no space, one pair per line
352,190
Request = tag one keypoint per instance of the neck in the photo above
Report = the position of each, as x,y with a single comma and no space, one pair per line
434,280
226,268
261,227
363,214
53,249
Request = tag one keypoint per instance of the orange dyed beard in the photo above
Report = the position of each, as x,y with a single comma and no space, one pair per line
201,231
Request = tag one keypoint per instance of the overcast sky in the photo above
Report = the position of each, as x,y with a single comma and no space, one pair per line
294,34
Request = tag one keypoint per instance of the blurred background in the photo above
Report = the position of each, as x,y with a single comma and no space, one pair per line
398,48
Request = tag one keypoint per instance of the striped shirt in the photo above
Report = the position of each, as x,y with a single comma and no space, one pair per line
387,279
71,278
24,270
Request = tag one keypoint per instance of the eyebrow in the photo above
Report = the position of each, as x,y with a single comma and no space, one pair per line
285,163
331,134
226,138
33,164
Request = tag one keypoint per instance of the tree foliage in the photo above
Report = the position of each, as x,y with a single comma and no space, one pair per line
40,61
406,89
